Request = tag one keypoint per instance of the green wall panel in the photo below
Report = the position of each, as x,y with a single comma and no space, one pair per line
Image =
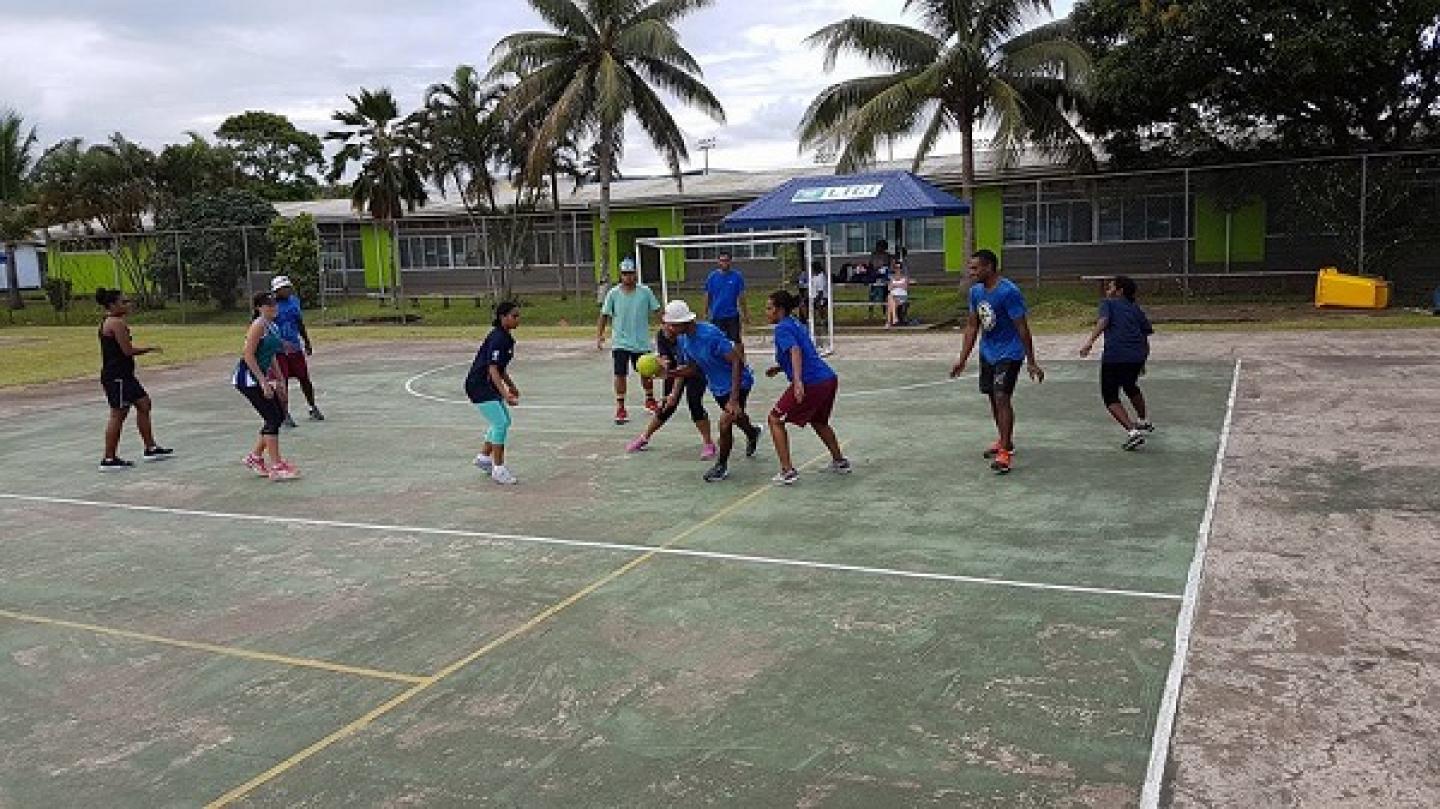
1247,232
379,256
989,229
664,221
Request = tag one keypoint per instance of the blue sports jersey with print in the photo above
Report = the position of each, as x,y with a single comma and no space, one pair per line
997,310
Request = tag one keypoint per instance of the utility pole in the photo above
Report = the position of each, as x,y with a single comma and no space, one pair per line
705,145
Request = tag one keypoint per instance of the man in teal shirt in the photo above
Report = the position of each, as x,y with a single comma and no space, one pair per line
628,307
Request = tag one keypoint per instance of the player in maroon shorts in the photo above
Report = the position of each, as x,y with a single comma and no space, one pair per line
290,363
811,395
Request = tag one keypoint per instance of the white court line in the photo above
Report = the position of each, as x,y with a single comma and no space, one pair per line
615,546
410,389
1170,701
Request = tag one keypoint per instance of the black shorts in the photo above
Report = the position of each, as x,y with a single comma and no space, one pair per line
724,400
729,325
1117,375
625,360
123,391
999,377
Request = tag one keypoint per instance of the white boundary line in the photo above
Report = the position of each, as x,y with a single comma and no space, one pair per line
614,546
410,389
1170,701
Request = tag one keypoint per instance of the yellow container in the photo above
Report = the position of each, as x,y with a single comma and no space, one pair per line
1334,288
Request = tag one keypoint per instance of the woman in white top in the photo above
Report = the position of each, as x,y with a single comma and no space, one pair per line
899,294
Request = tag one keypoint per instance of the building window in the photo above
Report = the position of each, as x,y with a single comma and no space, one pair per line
341,254
925,234
1065,222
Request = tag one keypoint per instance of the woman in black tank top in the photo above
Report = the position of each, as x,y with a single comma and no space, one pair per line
117,378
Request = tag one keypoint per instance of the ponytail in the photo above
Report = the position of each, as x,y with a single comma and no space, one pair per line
785,301
107,297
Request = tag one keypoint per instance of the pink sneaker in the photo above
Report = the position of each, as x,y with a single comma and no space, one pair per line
283,470
640,443
256,464
708,452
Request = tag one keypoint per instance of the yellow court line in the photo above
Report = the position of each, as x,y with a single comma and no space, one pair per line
539,618
229,651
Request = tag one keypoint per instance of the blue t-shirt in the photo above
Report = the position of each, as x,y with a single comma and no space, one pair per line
791,333
724,289
498,349
997,310
707,348
1126,331
287,320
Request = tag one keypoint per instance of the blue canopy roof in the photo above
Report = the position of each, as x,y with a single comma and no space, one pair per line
829,198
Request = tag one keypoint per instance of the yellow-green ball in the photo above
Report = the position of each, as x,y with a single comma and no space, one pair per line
648,365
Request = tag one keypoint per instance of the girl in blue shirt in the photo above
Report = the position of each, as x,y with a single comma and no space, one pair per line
1127,346
811,395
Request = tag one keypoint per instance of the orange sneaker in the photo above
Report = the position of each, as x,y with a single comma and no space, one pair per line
1001,463
994,448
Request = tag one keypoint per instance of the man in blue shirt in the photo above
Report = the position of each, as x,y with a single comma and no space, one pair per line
722,364
291,360
997,317
725,297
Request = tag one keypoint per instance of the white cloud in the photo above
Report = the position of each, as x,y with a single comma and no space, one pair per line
155,70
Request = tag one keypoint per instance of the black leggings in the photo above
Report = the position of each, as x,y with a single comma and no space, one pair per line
694,397
269,409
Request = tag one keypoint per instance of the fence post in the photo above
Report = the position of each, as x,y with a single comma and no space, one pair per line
1364,182
1185,236
180,278
245,249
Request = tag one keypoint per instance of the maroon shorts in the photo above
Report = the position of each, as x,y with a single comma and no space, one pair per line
819,401
292,366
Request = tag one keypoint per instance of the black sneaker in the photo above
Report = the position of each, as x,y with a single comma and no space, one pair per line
115,465
289,422
717,473
158,453
752,442
316,415
1135,440
1145,426
840,467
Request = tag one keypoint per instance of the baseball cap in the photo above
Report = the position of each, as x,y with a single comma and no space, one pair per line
280,281
677,311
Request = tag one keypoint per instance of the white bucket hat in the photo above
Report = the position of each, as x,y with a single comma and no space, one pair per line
677,311
280,281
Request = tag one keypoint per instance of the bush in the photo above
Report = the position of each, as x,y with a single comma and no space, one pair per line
58,291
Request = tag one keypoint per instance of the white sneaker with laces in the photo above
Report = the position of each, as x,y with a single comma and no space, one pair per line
502,476
484,463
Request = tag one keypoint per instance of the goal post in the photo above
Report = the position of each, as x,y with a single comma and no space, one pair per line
805,238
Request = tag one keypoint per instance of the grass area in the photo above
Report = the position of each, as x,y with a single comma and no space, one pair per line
37,350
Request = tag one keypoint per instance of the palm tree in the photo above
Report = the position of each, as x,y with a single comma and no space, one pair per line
603,61
391,180
463,140
971,65
16,160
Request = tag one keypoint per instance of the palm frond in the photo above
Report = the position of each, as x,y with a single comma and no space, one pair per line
667,11
682,85
939,123
656,40
565,16
659,125
825,118
893,45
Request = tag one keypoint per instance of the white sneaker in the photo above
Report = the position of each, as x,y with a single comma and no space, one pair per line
840,467
1135,440
502,476
785,477
483,463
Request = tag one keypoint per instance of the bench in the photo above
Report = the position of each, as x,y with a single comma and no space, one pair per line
383,297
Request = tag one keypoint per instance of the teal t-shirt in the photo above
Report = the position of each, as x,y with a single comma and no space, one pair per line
630,317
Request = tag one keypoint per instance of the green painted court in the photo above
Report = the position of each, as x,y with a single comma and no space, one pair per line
393,629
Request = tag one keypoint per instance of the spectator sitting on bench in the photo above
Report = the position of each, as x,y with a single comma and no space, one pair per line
897,305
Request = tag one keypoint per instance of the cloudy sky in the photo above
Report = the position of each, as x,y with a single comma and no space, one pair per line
155,70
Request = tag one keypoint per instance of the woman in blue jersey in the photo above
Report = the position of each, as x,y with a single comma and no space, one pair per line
811,395
255,382
490,388
721,362
1127,346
